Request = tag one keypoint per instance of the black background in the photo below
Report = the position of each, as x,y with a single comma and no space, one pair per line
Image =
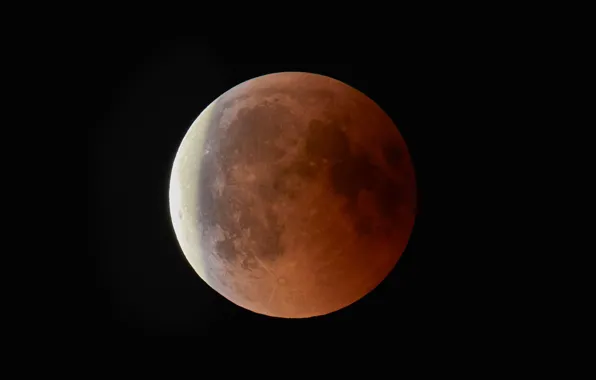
146,91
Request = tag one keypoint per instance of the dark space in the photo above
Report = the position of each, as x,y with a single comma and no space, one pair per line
146,92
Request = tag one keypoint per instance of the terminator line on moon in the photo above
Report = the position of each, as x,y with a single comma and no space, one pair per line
293,195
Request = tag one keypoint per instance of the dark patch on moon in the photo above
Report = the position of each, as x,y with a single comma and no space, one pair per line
326,141
249,263
353,174
363,226
350,174
393,155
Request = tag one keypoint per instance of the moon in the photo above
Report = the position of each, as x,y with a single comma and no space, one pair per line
293,195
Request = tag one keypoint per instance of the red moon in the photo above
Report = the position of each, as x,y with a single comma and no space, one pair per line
293,195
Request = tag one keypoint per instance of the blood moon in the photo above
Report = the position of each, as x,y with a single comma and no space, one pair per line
293,195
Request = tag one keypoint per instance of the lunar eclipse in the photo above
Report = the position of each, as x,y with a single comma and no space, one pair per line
293,195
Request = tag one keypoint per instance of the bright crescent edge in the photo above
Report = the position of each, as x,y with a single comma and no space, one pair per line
180,199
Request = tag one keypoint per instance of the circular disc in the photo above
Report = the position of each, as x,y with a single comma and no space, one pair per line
293,195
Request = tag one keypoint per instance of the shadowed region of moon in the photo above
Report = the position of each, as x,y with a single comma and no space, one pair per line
293,195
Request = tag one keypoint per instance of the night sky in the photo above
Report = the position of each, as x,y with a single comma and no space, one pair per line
146,92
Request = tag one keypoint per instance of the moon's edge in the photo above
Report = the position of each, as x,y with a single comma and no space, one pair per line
192,144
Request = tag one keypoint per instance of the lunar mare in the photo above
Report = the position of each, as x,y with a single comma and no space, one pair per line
293,195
